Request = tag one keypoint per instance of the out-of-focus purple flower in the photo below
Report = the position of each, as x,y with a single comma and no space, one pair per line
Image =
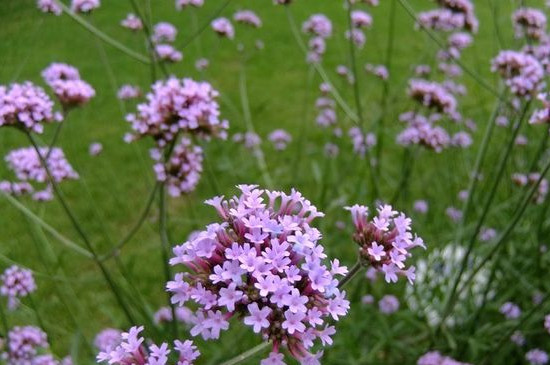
547,323
167,52
361,142
16,283
280,139
357,36
379,71
60,71
530,23
183,314
84,6
250,140
132,22
181,4
368,299
510,310
27,166
422,70
522,73
262,263
248,17
518,338
459,41
26,106
487,234
388,304
108,339
24,344
127,92
521,140
361,19
223,27
318,25
435,358
501,121
385,241
447,20
164,32
182,172
421,206
67,86
95,149
454,213
536,357
541,116
331,150
461,139
531,179
175,106
422,131
49,6
202,64
433,96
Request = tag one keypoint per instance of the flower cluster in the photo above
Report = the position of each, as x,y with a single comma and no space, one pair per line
422,131
67,86
167,52
522,72
24,344
249,140
537,357
131,350
49,6
16,283
107,339
180,4
84,6
248,17
164,32
386,241
27,166
359,20
320,28
262,264
530,23
435,358
379,71
280,139
132,22
530,180
510,310
202,64
452,15
388,304
541,116
326,107
183,314
128,92
182,172
223,27
178,106
362,142
26,106
433,96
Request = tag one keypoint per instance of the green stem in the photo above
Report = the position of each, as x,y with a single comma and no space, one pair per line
206,24
104,37
37,314
247,354
351,274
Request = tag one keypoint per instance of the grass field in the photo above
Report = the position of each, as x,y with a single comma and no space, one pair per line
281,89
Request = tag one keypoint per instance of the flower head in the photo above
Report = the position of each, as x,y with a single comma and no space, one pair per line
16,283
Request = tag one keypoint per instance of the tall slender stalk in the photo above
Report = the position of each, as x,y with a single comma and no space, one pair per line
82,234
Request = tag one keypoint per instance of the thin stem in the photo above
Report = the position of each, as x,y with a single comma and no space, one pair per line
104,37
206,24
80,231
36,313
351,274
492,193
247,354
115,251
4,322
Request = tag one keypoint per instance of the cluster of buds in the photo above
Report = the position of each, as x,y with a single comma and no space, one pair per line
530,23
522,73
223,28
319,27
66,84
385,241
531,180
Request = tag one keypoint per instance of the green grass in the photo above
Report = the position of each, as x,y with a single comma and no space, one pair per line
111,193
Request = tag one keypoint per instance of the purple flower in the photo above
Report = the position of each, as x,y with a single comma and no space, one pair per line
132,22
248,17
49,6
180,4
127,92
522,73
164,32
258,317
318,25
530,23
84,6
16,283
536,357
510,310
280,139
108,339
388,304
223,27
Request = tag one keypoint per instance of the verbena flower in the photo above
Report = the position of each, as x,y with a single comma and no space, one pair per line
388,304
49,6
250,140
16,283
164,32
361,19
435,358
280,139
26,106
95,149
202,64
385,241
132,22
433,96
84,6
263,264
530,180
178,106
422,131
182,172
127,92
318,25
453,213
181,4
362,142
530,23
108,339
24,344
183,314
167,52
536,357
67,86
247,17
518,338
132,350
522,73
510,310
541,116
379,71
223,27
357,36
421,206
